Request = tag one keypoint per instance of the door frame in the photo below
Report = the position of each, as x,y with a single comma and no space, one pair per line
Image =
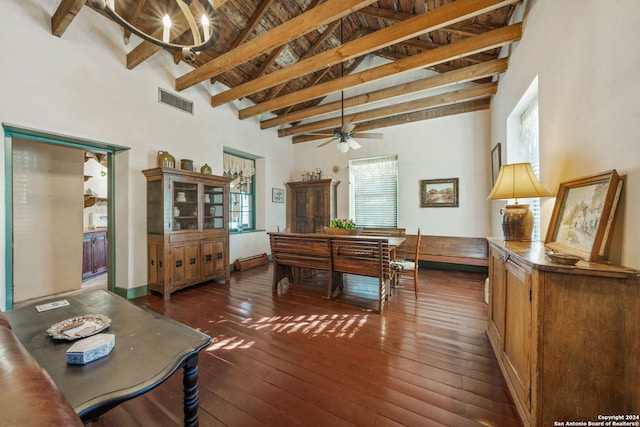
11,131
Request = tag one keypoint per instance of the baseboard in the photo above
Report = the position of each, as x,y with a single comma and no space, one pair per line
131,293
456,267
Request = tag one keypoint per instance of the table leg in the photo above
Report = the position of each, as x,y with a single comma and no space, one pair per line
190,383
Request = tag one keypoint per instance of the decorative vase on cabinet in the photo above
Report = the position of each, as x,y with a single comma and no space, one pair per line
187,229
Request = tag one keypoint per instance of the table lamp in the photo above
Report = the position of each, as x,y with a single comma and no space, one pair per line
515,181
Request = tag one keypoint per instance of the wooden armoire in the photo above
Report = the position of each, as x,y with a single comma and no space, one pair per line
311,205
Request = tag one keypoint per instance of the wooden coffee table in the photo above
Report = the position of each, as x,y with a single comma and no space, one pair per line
149,348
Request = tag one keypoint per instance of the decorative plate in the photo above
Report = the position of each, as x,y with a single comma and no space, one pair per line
79,327
561,258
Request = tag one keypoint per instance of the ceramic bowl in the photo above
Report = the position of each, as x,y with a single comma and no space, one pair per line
561,258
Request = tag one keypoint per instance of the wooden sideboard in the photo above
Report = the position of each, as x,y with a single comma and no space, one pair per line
311,205
187,229
567,338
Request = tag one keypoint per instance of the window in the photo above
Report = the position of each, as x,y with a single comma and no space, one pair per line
242,203
530,141
373,191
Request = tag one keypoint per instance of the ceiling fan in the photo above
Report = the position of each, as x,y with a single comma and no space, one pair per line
345,133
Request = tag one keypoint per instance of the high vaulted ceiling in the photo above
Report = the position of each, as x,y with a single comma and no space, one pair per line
286,56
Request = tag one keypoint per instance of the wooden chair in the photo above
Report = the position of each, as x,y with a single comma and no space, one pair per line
403,267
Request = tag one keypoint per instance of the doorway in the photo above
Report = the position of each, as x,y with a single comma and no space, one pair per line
46,201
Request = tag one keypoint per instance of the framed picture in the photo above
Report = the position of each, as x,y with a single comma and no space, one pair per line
439,193
277,195
583,216
496,162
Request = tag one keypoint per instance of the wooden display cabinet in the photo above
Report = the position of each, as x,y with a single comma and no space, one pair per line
566,337
311,205
187,229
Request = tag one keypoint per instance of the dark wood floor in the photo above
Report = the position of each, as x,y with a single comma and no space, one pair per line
293,358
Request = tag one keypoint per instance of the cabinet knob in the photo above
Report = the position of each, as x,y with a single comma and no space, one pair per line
506,258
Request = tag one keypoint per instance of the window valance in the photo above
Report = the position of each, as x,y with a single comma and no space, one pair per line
234,165
383,165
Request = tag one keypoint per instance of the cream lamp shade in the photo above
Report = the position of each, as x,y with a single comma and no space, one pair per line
516,181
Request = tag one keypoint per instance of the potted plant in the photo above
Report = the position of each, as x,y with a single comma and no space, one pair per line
343,226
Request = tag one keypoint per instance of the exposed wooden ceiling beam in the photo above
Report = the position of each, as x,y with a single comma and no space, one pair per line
64,15
142,52
391,15
468,94
319,75
249,27
324,36
311,20
419,24
431,113
133,19
479,43
462,75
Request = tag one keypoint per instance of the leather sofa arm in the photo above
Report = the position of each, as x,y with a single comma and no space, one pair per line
28,396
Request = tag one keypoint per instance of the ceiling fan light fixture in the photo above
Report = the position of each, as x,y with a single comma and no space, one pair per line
342,146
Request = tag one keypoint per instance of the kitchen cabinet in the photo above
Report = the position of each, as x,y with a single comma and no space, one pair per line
187,229
94,253
311,205
566,337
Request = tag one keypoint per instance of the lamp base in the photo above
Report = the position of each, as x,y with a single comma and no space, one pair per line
517,223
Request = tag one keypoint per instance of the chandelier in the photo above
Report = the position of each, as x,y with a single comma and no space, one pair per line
202,37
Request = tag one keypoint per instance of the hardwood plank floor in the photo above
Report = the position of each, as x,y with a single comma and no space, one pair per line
293,358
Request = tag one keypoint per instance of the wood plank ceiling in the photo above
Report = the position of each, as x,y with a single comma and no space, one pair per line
286,56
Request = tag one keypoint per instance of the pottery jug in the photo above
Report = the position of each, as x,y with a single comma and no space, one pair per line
176,211
186,164
207,198
166,160
205,169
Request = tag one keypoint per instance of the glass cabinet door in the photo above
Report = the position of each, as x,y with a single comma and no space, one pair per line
154,207
185,206
213,207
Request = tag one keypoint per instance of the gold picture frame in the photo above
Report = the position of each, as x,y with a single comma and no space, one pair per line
583,216
439,193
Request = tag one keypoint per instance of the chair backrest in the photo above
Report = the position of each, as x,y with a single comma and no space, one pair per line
400,251
417,254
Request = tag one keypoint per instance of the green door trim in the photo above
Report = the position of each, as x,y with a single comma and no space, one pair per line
11,131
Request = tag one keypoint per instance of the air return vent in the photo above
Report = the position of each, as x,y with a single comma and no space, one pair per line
175,101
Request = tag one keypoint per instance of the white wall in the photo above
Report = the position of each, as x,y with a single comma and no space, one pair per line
78,85
449,147
587,63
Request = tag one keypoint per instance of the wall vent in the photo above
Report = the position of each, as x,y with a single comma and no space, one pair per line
175,101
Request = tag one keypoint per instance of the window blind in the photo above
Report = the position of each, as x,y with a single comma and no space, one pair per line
375,182
530,139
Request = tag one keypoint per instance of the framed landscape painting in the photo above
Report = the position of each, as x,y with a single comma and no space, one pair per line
439,193
583,216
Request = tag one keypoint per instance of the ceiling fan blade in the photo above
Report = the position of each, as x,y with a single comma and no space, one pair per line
347,127
368,135
326,142
353,143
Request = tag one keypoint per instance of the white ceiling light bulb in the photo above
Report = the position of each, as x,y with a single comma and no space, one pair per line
342,147
205,26
166,21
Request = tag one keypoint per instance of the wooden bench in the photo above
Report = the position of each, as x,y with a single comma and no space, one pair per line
296,250
335,254
451,250
362,257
